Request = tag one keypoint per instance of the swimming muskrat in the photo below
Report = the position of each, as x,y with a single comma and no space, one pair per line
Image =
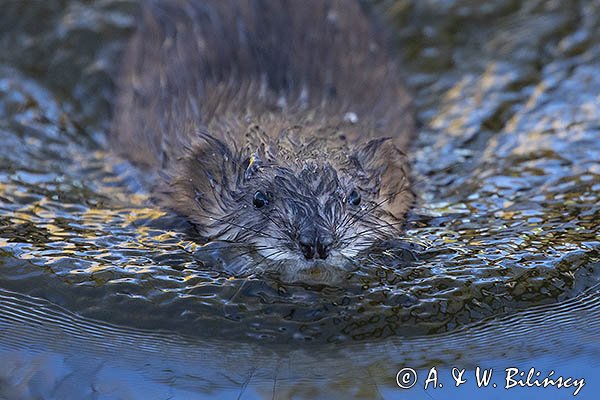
279,125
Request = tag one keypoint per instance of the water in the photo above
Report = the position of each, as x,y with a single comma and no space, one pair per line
104,295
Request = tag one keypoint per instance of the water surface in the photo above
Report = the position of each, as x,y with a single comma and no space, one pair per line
502,246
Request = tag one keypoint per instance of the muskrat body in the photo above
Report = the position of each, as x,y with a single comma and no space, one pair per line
279,125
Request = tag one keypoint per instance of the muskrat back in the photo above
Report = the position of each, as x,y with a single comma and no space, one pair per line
276,124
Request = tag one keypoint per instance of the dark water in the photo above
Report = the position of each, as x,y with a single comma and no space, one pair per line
104,295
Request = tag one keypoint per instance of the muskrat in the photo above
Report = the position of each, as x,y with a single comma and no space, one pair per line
280,125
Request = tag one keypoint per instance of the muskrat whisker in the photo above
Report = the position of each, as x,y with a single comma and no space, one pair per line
374,229
347,258
269,256
238,291
253,251
264,259
280,228
243,227
251,248
229,242
362,218
367,211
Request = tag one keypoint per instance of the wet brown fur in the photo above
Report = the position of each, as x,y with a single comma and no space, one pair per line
212,92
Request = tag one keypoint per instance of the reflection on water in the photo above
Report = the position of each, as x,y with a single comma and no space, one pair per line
507,170
48,350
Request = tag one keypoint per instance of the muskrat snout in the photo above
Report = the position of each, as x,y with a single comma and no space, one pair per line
315,245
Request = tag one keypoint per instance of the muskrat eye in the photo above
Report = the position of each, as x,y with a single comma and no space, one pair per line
354,198
260,199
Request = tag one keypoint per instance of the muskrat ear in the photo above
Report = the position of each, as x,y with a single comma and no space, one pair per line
383,172
203,183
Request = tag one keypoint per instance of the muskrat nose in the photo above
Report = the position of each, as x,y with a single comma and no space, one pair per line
307,245
308,250
323,246
312,248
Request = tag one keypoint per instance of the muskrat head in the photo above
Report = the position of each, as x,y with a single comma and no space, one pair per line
300,210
